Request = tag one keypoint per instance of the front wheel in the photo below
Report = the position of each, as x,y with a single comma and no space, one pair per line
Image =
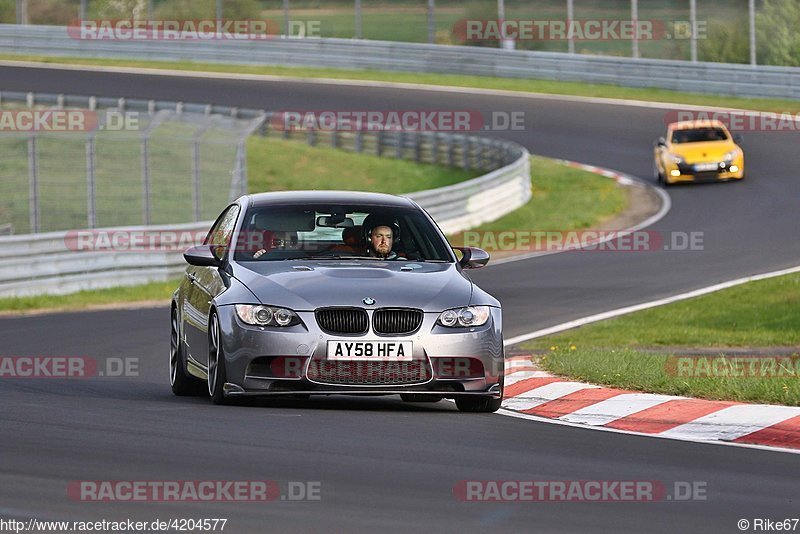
216,362
479,404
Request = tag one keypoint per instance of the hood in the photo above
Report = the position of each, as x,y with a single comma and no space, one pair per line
700,152
305,286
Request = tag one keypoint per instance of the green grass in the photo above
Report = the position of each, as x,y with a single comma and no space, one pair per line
639,371
483,82
154,291
278,165
759,314
563,199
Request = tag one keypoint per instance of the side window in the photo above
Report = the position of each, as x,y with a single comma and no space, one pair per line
220,234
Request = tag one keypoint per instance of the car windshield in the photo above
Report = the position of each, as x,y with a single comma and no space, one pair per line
699,135
330,232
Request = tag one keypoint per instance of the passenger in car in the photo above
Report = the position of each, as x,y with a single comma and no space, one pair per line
351,242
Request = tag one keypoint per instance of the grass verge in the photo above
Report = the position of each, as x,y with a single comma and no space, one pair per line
154,291
278,165
561,195
639,351
563,199
481,82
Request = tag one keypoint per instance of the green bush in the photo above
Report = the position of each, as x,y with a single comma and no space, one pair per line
726,42
778,42
55,12
8,11
198,9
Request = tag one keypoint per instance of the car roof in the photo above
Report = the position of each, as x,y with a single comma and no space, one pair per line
330,197
705,123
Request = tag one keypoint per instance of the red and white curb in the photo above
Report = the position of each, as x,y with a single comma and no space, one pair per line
540,395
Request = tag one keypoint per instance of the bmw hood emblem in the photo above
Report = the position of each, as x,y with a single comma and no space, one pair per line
369,301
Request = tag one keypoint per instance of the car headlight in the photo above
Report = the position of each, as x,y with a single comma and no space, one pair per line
266,315
464,317
675,158
731,155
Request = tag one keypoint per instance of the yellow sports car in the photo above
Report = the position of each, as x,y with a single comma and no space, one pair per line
698,151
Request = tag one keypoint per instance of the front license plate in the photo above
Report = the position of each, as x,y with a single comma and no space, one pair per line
703,167
392,351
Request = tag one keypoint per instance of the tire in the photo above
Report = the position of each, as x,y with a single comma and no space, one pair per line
183,384
657,174
481,404
216,362
478,404
419,397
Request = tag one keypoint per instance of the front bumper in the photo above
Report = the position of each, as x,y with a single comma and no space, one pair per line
688,172
446,362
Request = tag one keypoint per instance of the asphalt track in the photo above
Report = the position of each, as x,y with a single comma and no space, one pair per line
381,463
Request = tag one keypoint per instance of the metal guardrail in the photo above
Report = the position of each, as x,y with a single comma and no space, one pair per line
701,77
56,262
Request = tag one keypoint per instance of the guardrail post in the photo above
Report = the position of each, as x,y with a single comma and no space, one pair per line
635,18
145,164
497,155
379,143
147,210
33,185
434,148
311,136
359,33
451,151
400,141
335,138
239,182
196,138
359,141
263,130
465,148
417,147
195,179
91,186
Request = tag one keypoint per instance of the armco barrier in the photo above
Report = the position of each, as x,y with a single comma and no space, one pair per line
701,77
45,263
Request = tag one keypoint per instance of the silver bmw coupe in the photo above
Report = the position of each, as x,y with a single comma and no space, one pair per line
334,292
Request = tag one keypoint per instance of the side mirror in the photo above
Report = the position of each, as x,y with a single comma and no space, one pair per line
737,138
202,256
661,142
474,257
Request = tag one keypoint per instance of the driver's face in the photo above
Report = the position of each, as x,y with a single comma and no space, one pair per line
381,238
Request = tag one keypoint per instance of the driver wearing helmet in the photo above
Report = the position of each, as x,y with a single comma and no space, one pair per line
381,240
